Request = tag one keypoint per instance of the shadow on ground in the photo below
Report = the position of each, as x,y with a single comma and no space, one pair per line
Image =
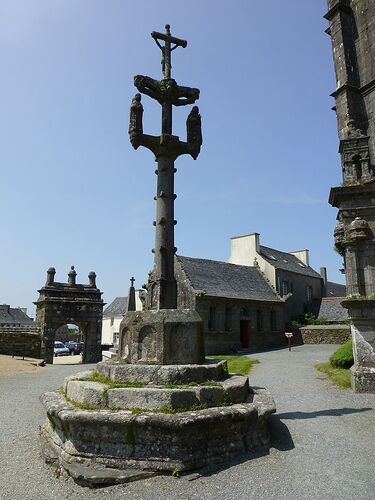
281,439
334,412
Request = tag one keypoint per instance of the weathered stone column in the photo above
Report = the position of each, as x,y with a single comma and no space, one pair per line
162,334
354,53
164,235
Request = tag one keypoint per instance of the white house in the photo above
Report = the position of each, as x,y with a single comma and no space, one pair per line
112,317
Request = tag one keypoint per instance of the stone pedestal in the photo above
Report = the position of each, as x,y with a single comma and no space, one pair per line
167,336
362,312
126,421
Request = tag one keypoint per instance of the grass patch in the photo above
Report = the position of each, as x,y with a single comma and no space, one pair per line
240,365
206,383
82,406
171,411
102,379
339,376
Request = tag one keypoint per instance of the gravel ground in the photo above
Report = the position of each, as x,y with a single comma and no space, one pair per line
323,445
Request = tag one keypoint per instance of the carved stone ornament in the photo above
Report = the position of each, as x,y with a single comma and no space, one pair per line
359,230
136,115
339,234
353,131
166,90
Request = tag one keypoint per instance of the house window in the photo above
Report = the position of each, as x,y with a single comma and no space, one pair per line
285,288
273,320
309,292
244,312
212,318
228,319
259,320
112,320
116,337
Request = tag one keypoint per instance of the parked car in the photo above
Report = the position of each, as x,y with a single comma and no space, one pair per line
74,347
60,350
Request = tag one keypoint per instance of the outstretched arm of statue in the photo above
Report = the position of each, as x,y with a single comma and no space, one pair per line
147,86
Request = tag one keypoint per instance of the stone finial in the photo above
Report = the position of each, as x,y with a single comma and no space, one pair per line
358,230
50,276
72,276
92,279
131,296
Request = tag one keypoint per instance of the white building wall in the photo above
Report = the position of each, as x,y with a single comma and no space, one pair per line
111,324
245,249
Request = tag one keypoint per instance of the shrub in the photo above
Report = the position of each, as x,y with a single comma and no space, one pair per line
343,357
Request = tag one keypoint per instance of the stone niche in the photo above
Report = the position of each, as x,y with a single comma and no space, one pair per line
167,336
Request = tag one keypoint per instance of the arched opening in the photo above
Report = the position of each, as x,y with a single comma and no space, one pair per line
68,344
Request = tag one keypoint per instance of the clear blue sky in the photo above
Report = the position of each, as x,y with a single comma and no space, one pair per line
73,191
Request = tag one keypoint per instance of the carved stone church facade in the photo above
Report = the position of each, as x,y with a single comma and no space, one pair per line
351,27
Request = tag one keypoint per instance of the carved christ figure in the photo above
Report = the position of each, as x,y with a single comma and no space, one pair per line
136,115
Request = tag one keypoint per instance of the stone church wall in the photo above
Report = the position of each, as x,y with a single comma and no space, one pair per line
223,337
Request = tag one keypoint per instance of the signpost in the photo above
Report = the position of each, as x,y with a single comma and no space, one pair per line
289,336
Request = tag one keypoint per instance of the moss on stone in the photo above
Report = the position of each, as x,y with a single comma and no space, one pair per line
102,379
82,406
51,421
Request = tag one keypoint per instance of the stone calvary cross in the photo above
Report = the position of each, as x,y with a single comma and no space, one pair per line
166,149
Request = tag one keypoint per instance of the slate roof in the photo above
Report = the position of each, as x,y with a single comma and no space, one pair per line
221,279
335,289
287,262
116,307
14,315
332,310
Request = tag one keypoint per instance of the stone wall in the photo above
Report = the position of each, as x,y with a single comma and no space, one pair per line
325,334
222,338
20,341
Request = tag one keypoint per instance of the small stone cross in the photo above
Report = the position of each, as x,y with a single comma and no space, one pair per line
132,281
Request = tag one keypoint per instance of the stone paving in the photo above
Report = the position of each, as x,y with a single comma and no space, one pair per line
323,447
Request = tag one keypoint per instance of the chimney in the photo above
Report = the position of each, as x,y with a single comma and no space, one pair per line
323,274
302,255
244,249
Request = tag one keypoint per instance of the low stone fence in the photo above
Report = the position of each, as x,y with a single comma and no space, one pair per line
325,334
20,341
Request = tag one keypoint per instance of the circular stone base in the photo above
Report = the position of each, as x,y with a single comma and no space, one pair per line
164,374
83,390
103,446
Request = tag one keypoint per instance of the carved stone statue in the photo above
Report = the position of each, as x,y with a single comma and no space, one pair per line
136,115
194,127
166,90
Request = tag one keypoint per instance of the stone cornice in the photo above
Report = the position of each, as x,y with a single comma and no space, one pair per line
336,193
339,6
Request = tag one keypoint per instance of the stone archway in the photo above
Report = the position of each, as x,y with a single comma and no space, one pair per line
61,303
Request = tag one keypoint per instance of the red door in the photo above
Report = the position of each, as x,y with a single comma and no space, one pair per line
244,333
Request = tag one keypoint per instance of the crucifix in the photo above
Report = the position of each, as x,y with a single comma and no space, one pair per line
166,149
132,281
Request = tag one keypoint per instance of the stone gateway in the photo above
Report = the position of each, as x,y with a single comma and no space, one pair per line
64,303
